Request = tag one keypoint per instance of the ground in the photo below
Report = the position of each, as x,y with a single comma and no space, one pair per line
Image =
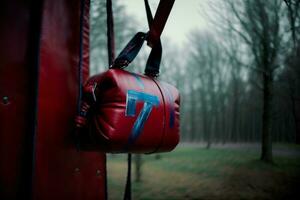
222,172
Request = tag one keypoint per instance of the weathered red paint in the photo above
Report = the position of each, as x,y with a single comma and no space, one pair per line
60,172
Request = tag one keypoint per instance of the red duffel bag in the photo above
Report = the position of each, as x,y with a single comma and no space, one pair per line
132,113
124,112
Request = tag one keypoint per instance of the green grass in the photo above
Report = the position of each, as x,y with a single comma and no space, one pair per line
197,173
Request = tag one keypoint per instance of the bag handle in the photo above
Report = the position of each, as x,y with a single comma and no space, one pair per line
152,37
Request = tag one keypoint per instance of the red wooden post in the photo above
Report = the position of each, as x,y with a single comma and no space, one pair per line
39,91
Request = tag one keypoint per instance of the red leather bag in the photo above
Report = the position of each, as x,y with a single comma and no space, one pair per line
123,112
132,113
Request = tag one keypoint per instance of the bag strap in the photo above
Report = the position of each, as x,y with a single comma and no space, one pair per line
153,62
152,37
127,194
162,13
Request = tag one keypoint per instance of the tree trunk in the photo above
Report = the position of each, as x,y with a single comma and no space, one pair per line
193,117
296,120
205,120
266,154
233,135
138,166
295,96
224,128
210,132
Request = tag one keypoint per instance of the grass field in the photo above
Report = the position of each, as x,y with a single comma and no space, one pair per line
217,173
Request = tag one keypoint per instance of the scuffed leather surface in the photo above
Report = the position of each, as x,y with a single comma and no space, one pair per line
111,128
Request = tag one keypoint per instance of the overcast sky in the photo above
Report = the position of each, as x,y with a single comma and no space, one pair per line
185,16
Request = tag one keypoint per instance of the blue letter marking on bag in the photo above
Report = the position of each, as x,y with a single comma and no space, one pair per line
149,101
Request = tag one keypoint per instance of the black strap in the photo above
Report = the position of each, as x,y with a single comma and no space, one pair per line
130,51
127,194
110,32
162,13
156,25
154,59
80,65
111,56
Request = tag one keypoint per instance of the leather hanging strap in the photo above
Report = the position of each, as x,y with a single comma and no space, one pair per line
110,32
111,56
153,62
156,26
127,194
159,22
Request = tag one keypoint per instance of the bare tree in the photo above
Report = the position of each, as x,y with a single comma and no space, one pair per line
292,72
257,23
205,65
